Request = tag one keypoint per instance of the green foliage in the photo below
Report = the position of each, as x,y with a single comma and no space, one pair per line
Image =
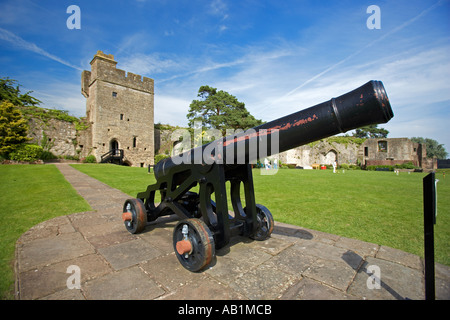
27,152
373,168
10,91
344,166
81,124
434,149
220,110
371,131
160,157
160,126
90,159
345,140
408,165
47,155
13,128
28,105
45,114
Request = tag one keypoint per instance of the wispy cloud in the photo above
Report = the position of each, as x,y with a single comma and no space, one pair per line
20,43
60,95
251,57
149,64
219,8
367,46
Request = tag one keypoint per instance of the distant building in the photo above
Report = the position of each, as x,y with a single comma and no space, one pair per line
120,112
392,151
383,151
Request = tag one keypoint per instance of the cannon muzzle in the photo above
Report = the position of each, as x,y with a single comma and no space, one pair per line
363,106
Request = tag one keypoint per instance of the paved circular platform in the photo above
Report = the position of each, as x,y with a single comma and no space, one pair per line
294,263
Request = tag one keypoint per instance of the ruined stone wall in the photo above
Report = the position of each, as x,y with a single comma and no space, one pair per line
57,136
322,152
391,151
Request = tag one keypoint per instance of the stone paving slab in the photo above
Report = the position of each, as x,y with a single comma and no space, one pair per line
293,264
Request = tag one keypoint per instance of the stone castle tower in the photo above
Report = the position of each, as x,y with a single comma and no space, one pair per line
120,111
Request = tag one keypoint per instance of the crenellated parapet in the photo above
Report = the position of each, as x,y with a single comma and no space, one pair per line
103,67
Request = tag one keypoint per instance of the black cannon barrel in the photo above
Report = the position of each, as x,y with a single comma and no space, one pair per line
363,106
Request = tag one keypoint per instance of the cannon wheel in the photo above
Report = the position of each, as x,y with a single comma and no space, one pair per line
134,215
195,250
265,223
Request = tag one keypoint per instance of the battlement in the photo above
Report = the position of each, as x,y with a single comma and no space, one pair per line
101,55
103,67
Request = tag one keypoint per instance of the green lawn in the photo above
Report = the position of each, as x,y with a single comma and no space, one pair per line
378,207
29,194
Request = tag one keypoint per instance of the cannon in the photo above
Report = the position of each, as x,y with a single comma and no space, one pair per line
206,223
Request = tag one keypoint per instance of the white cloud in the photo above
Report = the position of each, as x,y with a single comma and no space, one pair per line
148,64
218,7
20,43
171,110
62,96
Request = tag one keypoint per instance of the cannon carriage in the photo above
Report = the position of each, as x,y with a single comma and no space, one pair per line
206,223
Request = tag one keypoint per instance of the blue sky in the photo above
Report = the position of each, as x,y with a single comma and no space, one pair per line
277,57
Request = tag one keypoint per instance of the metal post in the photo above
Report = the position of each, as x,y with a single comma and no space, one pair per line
429,219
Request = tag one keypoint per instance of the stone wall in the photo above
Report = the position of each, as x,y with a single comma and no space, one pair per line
391,151
57,136
322,152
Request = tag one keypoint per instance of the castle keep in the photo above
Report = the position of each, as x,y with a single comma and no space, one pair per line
120,112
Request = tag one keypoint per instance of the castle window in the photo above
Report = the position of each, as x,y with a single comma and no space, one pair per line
114,94
382,146
121,116
134,142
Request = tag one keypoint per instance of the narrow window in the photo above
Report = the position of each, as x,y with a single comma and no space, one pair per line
366,151
114,94
121,116
134,142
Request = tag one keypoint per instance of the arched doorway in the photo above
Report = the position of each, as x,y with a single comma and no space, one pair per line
331,157
114,146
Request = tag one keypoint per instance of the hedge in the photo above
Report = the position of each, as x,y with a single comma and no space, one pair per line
27,152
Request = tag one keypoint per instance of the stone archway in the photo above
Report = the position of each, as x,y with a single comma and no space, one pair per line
127,163
331,156
114,145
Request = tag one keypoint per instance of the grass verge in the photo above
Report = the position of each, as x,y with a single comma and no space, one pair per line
29,194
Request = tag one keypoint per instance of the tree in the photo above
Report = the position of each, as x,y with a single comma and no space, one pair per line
434,149
220,110
371,131
10,91
13,128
